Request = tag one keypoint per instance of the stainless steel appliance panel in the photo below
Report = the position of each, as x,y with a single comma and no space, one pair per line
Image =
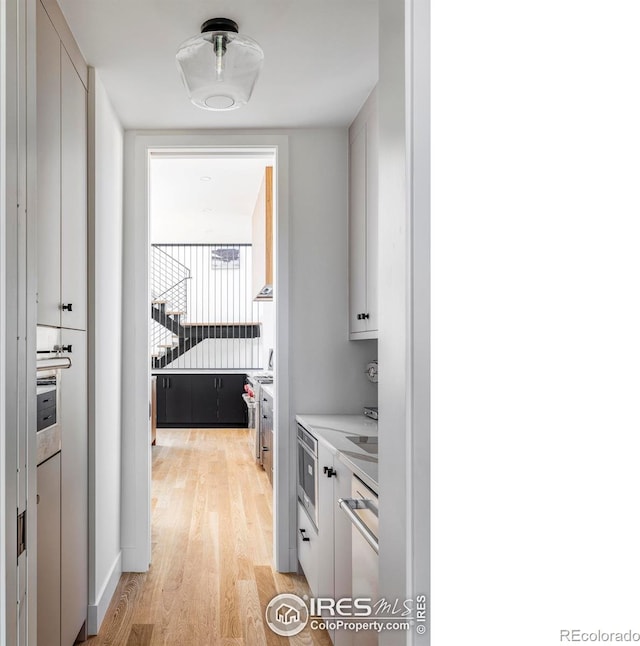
362,510
308,473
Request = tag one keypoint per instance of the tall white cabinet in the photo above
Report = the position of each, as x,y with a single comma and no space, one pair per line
363,222
62,182
73,199
74,522
62,303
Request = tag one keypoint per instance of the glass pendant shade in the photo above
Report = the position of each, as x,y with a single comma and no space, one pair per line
219,67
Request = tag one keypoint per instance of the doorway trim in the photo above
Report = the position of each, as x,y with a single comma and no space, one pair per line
136,444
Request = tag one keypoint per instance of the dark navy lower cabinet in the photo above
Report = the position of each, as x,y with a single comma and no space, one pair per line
201,401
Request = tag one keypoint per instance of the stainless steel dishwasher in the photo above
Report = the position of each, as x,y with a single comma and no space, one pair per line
362,511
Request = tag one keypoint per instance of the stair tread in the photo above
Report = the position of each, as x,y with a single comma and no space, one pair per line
219,323
174,312
158,301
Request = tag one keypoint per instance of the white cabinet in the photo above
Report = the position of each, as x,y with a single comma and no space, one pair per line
363,222
325,553
48,156
49,552
62,182
73,420
73,238
308,549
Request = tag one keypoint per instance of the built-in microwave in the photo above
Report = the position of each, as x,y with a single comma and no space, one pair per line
308,473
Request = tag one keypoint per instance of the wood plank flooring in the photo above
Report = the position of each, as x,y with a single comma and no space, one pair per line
211,574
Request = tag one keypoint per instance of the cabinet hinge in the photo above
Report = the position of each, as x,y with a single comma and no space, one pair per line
22,533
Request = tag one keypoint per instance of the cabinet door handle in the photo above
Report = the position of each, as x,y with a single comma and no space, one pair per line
68,307
329,471
365,316
67,348
304,538
265,448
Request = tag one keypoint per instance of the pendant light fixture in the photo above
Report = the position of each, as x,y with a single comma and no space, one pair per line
219,67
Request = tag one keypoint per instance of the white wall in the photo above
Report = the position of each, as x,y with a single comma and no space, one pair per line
267,333
105,350
394,312
419,208
327,370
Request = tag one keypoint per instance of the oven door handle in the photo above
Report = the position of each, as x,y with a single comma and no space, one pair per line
54,363
348,505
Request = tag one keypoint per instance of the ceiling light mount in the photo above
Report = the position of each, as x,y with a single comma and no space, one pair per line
219,67
219,24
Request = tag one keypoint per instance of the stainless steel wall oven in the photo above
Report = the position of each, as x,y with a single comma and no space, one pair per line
308,473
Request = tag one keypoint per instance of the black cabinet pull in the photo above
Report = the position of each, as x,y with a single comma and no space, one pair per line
265,448
365,316
264,417
330,472
359,317
67,348
68,307
304,538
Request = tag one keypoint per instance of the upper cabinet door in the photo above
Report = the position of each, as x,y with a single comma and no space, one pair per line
372,223
48,165
74,197
357,231
363,222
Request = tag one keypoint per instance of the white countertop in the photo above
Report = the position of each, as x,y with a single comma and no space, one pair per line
333,431
217,371
267,388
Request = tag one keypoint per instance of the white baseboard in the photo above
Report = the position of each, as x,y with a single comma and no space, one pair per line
97,611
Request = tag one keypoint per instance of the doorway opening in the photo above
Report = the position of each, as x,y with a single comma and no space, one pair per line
211,278
140,148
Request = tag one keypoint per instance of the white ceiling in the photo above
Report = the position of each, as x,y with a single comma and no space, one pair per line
321,59
187,209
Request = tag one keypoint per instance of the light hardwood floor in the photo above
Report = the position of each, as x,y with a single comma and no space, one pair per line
211,574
